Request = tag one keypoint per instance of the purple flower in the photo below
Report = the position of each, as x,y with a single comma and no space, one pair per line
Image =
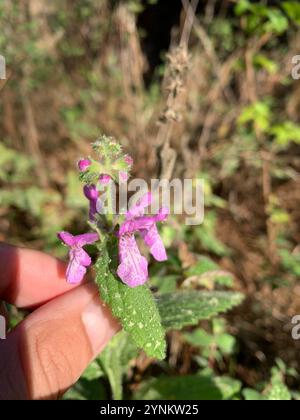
84,164
91,193
79,259
104,179
133,267
128,159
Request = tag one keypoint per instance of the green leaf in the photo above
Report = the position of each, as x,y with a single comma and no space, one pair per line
286,133
252,395
208,274
226,343
206,233
264,62
199,338
180,309
165,284
290,261
279,391
242,7
292,9
203,265
93,371
134,307
115,359
258,114
87,390
190,387
277,22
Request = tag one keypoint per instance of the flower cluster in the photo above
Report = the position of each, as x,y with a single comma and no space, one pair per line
114,166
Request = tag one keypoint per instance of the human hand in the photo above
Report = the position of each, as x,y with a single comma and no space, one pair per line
46,354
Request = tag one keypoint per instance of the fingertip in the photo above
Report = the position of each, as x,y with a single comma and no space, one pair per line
30,278
58,341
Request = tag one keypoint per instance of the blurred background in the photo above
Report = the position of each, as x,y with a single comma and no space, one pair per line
225,110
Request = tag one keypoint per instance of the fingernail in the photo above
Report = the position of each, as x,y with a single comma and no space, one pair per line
99,325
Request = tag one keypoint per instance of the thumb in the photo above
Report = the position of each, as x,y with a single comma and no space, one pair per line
50,349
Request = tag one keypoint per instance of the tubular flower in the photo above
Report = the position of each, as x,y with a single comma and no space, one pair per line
79,258
133,267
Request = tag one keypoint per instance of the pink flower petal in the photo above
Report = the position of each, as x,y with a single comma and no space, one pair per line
86,239
139,208
82,257
162,215
134,225
153,241
75,271
67,238
84,164
104,179
128,159
133,268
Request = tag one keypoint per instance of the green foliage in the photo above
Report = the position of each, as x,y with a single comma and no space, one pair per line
206,234
257,114
70,60
135,307
14,166
290,262
252,395
114,361
262,61
286,133
276,390
90,390
188,308
165,284
292,9
191,387
261,18
208,274
215,345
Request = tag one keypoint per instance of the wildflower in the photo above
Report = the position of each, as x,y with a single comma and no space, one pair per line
128,159
84,164
79,259
133,267
91,193
104,179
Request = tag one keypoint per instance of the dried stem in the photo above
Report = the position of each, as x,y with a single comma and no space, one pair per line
178,66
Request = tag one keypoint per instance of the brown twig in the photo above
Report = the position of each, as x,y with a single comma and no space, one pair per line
178,65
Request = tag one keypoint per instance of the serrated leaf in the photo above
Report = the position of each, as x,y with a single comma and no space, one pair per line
135,308
180,309
115,359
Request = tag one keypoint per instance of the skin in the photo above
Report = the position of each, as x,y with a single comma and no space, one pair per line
66,329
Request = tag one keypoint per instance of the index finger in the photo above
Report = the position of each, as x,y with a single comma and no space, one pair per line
30,278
